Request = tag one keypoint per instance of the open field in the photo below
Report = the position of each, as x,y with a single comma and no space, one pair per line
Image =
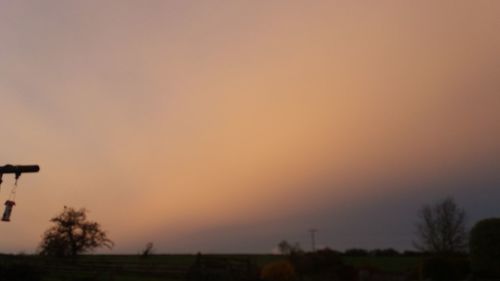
161,267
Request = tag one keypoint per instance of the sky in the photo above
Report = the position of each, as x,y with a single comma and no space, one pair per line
228,126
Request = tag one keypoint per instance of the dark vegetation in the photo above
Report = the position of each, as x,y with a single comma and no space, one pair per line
485,248
148,250
441,228
72,234
442,254
188,267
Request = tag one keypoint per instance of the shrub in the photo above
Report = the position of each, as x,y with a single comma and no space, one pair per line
279,271
325,263
409,253
356,252
287,248
384,253
325,259
484,247
148,250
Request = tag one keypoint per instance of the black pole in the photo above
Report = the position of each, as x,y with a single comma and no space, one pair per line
19,169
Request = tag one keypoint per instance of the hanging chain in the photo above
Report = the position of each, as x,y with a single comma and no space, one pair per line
13,192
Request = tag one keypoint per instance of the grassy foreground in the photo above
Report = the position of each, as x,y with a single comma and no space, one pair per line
156,267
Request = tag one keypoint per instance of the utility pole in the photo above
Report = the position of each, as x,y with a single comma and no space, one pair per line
313,238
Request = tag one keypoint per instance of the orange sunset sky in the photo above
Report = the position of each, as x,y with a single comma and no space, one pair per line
227,126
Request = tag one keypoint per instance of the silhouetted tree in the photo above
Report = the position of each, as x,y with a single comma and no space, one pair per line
73,234
287,248
441,228
148,249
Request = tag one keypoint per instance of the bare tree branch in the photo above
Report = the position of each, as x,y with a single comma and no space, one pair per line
441,228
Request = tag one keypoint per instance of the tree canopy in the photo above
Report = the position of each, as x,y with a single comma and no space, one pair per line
73,234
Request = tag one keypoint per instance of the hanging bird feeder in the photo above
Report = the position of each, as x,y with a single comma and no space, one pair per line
17,171
8,210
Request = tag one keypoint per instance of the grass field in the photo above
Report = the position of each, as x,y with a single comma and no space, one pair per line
162,267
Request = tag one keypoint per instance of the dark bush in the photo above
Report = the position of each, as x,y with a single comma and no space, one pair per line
409,253
384,253
445,268
325,260
484,247
356,252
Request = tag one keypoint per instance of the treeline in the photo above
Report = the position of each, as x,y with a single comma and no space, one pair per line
286,249
387,252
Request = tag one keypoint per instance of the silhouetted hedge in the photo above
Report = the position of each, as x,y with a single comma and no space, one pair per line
320,261
384,253
409,253
355,252
484,247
